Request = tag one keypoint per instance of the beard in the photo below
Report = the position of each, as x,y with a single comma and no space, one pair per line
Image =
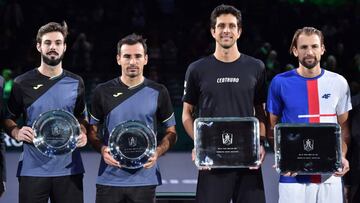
309,65
52,61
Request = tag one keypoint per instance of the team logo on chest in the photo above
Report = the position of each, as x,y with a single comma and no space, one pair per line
117,94
37,86
227,80
326,96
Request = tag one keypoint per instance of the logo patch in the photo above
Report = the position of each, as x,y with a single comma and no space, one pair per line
227,138
132,141
117,94
326,96
37,86
308,145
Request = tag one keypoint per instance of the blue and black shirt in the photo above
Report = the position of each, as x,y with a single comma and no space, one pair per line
113,103
34,93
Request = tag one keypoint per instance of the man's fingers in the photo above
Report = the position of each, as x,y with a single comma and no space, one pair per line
25,134
108,158
111,161
81,140
292,174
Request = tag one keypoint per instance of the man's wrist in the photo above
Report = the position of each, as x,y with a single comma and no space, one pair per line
262,142
103,149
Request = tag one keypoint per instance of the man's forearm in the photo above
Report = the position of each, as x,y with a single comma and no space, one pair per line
10,127
95,142
167,142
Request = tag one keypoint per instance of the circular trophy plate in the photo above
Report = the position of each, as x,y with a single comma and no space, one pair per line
56,132
132,143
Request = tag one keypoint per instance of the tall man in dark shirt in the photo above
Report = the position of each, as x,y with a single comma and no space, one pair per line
226,84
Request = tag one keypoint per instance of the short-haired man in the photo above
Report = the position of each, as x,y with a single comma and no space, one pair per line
130,97
226,84
310,94
48,87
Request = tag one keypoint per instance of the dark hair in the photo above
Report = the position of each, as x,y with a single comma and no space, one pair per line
52,27
131,40
225,9
306,31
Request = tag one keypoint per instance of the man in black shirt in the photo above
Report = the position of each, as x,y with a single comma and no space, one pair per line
226,84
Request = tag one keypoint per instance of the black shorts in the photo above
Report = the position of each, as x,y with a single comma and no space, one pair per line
62,189
112,194
223,185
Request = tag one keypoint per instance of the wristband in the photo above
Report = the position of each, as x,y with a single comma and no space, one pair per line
262,143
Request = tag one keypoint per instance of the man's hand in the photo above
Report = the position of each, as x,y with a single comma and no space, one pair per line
292,174
151,161
262,157
81,140
193,156
24,134
345,168
105,152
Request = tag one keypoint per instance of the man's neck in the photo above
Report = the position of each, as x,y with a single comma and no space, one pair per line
50,71
309,73
132,82
227,55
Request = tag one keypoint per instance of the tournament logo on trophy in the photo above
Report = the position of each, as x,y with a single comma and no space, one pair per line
226,142
56,132
308,145
132,141
227,138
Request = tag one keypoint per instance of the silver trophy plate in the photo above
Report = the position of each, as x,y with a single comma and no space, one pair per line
132,143
227,142
307,148
56,132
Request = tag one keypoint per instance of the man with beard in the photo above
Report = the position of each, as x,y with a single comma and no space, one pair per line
226,84
130,97
48,87
310,94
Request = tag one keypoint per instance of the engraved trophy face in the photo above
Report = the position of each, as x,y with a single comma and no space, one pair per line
132,143
307,148
56,132
227,142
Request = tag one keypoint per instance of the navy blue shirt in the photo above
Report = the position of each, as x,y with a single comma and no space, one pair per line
113,103
33,94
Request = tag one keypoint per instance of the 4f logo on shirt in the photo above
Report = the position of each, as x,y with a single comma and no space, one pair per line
117,94
37,86
326,96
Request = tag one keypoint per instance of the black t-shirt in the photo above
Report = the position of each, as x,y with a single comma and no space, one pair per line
222,89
